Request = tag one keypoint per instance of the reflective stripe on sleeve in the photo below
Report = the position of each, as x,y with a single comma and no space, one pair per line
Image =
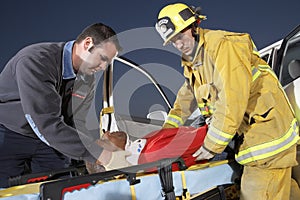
271,148
174,120
255,73
35,129
218,136
255,51
206,108
268,69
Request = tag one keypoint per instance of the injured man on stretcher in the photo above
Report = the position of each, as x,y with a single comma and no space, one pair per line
164,143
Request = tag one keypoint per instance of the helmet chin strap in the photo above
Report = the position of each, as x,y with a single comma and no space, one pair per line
198,17
196,38
194,33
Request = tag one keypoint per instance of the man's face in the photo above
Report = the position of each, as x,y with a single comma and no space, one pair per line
184,42
98,58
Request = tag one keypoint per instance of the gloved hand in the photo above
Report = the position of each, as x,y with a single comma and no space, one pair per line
203,154
117,160
208,120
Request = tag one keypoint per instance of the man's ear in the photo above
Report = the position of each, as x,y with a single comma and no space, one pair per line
88,44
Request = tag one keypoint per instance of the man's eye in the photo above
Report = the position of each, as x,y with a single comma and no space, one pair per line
177,37
103,58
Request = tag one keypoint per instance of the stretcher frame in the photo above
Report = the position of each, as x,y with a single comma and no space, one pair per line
59,189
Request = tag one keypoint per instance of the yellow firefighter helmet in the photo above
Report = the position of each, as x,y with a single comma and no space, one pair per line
173,18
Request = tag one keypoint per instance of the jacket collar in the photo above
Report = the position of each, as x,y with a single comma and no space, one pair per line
68,70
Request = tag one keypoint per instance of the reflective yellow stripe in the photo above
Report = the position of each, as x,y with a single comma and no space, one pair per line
174,120
218,136
255,73
204,112
206,108
267,68
107,110
185,194
133,194
255,51
172,123
271,148
253,45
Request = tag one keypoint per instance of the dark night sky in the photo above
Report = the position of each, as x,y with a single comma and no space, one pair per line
31,21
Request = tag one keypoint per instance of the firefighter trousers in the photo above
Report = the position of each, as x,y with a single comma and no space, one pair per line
266,184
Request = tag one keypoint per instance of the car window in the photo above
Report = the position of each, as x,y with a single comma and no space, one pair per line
292,54
266,57
136,96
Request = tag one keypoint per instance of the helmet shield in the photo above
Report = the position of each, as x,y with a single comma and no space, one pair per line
165,28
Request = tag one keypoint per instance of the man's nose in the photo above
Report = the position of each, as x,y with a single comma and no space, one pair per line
102,66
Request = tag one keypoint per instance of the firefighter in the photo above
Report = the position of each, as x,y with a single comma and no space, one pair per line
240,94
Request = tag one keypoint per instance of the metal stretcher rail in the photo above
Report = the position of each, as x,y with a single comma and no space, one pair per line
56,189
211,180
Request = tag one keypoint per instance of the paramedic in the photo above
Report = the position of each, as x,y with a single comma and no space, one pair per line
228,81
45,92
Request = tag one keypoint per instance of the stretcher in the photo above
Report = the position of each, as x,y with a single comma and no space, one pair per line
212,180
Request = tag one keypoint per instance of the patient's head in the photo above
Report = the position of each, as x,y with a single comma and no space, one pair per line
118,138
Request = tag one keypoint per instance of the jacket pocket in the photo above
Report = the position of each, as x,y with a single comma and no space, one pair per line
261,113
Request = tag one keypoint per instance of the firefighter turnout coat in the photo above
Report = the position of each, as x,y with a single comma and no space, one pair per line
228,81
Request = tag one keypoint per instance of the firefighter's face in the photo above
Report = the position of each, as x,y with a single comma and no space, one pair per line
184,41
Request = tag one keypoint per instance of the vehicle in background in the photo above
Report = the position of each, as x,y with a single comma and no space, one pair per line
284,58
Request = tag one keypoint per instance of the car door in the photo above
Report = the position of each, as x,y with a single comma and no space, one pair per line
138,97
287,67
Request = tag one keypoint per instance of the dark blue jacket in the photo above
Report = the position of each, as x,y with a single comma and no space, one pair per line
33,90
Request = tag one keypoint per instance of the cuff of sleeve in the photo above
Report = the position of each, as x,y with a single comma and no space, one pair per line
211,152
166,125
92,152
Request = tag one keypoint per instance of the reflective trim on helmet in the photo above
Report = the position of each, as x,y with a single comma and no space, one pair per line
271,148
174,120
219,137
